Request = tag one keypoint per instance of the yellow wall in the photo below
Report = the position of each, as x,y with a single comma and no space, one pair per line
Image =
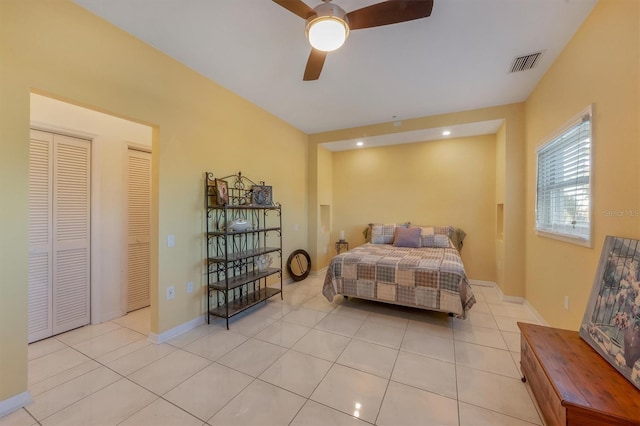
599,66
445,182
509,161
325,200
313,231
58,48
501,161
320,206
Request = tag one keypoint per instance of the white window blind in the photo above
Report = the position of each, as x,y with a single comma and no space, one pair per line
563,202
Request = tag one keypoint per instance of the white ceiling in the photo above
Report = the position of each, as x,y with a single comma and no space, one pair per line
457,59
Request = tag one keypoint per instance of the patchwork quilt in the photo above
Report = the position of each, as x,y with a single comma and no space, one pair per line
427,278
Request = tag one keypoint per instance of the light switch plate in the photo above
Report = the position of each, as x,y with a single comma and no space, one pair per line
171,240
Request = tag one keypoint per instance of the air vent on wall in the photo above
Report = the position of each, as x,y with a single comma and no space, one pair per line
523,63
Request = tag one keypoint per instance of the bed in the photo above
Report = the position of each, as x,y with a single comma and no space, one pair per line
423,272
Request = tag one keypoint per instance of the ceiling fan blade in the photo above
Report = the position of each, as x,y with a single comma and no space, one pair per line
314,65
389,12
298,7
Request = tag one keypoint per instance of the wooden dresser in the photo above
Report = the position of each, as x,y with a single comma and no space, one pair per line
572,383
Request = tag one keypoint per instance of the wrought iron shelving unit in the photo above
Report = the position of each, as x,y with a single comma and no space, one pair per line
235,282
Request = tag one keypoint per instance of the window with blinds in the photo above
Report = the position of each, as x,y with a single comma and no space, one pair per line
563,196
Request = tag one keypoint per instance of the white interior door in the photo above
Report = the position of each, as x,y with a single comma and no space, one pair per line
71,233
138,228
59,234
40,322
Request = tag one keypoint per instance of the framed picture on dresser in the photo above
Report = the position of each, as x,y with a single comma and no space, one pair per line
611,323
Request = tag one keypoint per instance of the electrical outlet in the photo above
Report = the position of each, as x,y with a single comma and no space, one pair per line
171,292
190,287
566,303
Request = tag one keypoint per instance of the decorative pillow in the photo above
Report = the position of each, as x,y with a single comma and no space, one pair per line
435,240
444,230
428,230
407,237
438,230
383,233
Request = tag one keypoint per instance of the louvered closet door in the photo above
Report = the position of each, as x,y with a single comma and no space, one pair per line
138,229
71,232
40,238
59,201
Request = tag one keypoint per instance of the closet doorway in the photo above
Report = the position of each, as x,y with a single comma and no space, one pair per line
59,233
110,139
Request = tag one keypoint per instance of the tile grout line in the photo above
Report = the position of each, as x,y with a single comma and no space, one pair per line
122,377
352,338
386,389
151,391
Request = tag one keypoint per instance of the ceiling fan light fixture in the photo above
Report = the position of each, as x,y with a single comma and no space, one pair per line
327,34
328,29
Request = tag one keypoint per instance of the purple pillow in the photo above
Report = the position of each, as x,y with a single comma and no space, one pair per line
407,237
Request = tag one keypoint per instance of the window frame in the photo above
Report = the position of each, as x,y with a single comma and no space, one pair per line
550,141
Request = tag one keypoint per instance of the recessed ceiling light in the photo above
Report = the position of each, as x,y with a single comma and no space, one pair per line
360,143
446,133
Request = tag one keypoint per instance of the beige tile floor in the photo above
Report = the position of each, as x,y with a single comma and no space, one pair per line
301,361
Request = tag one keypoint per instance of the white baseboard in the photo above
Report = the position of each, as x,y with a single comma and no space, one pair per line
503,297
510,299
319,272
535,313
170,334
15,403
112,315
482,283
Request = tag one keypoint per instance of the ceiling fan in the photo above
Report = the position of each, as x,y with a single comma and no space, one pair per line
328,25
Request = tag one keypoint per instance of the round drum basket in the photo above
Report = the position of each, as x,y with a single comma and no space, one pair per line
299,265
